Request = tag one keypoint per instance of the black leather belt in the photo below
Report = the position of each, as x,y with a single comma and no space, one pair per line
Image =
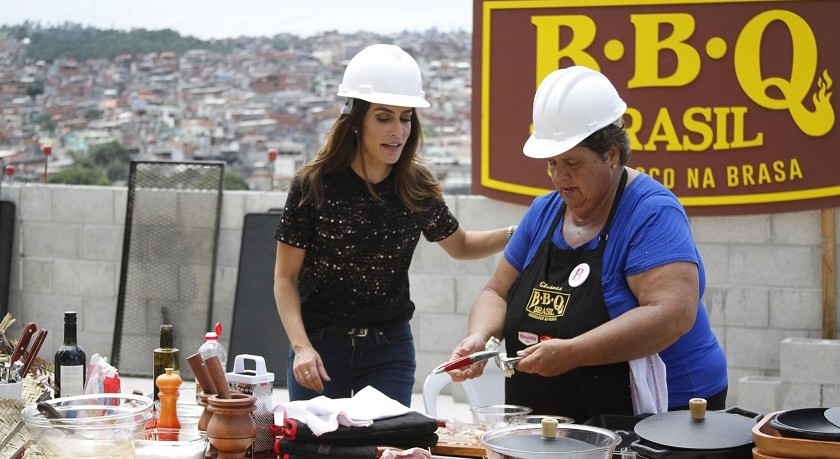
357,332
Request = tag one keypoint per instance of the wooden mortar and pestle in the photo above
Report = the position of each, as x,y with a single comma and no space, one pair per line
231,428
196,362
199,369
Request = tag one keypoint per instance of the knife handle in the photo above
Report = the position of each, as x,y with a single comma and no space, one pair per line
39,341
21,451
25,336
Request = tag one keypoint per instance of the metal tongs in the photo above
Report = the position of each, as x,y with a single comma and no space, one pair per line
491,350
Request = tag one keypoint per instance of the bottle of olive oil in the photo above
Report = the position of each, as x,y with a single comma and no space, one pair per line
166,356
70,361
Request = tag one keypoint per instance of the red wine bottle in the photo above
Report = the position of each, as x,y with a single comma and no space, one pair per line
70,361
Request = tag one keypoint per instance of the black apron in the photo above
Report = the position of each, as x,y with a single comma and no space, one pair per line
557,297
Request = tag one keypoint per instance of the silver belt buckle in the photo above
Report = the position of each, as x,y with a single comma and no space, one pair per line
358,332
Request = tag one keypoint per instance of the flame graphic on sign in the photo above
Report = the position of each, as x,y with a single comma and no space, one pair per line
821,120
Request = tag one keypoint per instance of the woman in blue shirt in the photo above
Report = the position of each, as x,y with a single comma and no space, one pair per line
601,274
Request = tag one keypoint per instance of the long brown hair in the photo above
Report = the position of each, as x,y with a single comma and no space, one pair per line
414,183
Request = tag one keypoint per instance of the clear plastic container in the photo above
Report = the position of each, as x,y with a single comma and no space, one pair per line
212,347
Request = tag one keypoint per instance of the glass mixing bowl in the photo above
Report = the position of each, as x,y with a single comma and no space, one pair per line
537,419
494,416
91,426
169,443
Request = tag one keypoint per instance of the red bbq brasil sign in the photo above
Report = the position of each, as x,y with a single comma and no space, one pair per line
729,102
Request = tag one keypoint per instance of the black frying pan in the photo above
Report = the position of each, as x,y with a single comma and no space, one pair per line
807,423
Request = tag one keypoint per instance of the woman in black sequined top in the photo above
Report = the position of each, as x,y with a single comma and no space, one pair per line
352,219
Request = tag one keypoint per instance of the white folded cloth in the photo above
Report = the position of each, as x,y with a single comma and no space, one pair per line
413,453
649,385
323,414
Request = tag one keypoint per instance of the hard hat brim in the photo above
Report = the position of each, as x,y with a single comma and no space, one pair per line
549,148
388,99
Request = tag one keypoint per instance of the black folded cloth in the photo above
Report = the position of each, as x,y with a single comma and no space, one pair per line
298,450
405,431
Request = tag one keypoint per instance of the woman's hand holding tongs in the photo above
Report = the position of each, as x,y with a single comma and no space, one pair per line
469,357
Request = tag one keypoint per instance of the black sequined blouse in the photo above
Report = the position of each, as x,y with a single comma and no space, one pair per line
358,250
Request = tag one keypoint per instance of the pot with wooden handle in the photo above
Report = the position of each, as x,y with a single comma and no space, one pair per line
696,433
550,439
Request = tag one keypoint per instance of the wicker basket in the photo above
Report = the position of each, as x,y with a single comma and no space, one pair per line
10,415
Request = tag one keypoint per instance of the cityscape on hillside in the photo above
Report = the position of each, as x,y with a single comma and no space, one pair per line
273,94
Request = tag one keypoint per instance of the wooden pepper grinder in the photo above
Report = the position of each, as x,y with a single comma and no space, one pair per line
168,384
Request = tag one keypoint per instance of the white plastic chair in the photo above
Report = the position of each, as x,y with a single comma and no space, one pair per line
487,389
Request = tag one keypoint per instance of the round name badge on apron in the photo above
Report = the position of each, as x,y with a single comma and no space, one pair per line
579,275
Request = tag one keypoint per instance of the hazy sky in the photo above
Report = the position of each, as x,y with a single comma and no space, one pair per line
232,18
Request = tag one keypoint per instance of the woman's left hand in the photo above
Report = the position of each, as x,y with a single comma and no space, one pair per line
547,358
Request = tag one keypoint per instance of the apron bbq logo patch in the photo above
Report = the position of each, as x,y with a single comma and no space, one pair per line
547,303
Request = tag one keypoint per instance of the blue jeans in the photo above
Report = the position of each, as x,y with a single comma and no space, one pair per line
383,359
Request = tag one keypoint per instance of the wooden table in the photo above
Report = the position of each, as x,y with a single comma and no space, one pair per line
448,446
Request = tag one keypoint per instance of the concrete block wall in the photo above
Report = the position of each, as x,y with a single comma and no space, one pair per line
809,377
67,252
763,273
763,286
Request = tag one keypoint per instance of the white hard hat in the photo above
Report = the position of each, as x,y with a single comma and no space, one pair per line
570,104
384,74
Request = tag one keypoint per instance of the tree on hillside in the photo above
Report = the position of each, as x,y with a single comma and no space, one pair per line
79,175
74,41
34,89
234,181
109,154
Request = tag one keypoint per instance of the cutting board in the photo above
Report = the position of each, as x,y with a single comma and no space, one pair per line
459,446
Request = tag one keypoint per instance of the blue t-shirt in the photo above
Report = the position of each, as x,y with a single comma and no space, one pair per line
649,229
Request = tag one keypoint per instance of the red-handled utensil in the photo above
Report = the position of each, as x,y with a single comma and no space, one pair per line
23,343
464,361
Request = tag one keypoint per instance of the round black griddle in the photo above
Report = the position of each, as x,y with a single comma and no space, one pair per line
717,430
807,423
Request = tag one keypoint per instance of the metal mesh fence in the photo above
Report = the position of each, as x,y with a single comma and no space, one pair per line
168,261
